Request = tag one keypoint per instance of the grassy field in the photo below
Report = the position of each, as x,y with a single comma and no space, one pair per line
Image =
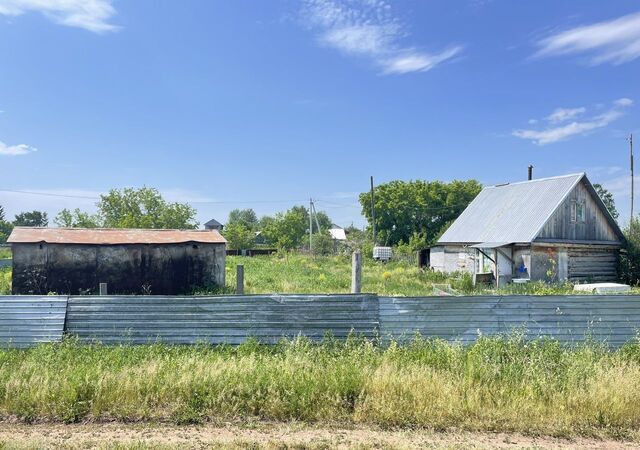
332,274
495,384
303,274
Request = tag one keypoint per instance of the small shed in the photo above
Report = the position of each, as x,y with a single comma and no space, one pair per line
213,224
552,229
130,261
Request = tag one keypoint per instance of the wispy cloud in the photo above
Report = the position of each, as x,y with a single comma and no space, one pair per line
92,15
564,114
558,130
614,41
367,28
15,150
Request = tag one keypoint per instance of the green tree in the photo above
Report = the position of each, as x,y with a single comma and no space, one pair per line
5,227
76,219
630,258
144,208
287,230
322,243
607,199
245,217
404,208
5,230
323,220
31,219
238,236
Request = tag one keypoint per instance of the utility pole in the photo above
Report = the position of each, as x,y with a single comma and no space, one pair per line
632,187
373,213
310,225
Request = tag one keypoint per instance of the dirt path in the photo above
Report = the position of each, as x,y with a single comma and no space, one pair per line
270,435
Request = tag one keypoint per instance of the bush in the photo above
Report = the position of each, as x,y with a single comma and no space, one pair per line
630,257
5,281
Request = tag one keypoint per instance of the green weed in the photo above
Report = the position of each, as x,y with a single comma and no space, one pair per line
498,383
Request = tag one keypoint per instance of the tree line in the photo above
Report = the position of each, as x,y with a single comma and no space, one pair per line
410,215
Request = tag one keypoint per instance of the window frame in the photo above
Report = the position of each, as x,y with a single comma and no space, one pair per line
578,212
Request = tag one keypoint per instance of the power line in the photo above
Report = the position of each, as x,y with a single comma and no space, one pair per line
49,194
234,202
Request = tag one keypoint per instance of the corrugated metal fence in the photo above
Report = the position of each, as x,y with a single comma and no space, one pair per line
26,320
215,320
614,319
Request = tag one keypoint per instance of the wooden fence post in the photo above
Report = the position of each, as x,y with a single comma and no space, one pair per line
239,279
103,289
356,272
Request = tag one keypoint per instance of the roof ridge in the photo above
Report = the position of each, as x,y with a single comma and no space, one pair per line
577,174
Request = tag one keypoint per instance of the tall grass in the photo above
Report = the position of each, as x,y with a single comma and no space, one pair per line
496,384
5,281
294,273
303,274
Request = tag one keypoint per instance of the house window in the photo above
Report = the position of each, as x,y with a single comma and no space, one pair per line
578,212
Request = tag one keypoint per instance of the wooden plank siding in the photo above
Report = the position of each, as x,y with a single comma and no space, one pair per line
595,228
592,264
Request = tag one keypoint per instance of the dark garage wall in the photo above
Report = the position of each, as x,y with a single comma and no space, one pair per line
167,269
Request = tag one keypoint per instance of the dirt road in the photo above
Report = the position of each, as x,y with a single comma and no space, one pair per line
271,435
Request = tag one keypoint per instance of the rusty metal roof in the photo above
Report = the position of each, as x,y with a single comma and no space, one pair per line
112,236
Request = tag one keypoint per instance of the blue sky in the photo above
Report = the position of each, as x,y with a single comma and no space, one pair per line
265,104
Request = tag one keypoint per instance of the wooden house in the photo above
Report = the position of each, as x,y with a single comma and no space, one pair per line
552,229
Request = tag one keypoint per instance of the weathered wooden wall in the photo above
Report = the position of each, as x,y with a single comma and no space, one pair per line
233,319
29,320
594,228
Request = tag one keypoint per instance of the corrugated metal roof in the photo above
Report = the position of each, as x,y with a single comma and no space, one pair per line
112,236
338,234
510,212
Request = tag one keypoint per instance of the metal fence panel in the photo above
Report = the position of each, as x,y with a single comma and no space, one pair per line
613,319
220,319
27,320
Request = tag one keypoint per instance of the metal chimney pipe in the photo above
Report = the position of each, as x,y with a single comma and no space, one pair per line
530,173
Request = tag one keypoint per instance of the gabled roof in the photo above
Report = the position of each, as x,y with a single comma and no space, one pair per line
213,223
111,236
516,212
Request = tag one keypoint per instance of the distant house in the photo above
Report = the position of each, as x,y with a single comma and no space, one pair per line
551,229
213,224
130,261
337,233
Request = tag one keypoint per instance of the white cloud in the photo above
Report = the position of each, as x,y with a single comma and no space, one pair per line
564,114
92,15
555,132
367,28
623,102
615,41
15,150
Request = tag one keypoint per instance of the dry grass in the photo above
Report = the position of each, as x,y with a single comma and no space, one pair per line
495,384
